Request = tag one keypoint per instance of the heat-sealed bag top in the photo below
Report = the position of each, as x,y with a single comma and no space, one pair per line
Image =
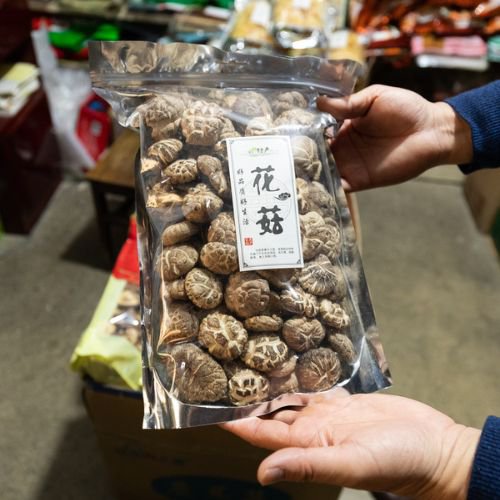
253,295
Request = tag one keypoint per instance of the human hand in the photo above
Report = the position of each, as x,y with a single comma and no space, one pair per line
391,135
367,441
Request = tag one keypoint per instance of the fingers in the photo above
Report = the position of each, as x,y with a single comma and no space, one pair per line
287,416
269,434
352,106
331,465
338,393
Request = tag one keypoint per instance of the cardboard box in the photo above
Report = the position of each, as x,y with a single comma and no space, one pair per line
201,462
482,191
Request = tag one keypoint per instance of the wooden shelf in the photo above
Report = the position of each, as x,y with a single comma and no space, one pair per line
123,14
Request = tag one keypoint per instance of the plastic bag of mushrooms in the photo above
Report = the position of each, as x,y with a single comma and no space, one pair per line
253,295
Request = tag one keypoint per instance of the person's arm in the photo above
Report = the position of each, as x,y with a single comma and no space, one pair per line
374,442
480,108
391,135
485,477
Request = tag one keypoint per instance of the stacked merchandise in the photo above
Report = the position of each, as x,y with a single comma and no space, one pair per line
17,83
437,33
293,27
109,349
90,5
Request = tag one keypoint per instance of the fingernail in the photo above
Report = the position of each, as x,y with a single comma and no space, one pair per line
273,476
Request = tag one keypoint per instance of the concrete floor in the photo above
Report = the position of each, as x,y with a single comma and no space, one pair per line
435,285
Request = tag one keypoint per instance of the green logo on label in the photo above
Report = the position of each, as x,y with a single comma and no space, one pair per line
259,151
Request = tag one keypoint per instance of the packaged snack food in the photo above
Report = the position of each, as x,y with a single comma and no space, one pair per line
252,289
302,24
249,27
109,349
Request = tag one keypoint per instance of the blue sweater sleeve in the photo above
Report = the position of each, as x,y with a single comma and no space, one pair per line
480,108
485,477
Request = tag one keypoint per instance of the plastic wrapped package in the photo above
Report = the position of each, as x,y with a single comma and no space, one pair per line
302,24
252,289
109,349
249,28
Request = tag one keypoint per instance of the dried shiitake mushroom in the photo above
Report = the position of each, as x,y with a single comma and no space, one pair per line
174,290
340,290
223,336
222,229
203,289
295,117
179,324
265,352
280,278
202,123
319,276
212,168
229,99
343,346
320,200
285,101
247,387
170,203
233,366
149,165
247,294
285,369
332,241
165,151
161,111
302,334
297,301
318,369
284,385
181,171
228,131
302,187
251,104
219,258
177,261
260,125
168,131
195,377
177,233
264,323
274,306
305,157
312,226
200,204
333,314
319,237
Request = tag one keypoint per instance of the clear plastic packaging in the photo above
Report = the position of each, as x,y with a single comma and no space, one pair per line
252,289
302,24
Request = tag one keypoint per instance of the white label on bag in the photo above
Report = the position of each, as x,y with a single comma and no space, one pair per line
261,14
302,4
265,202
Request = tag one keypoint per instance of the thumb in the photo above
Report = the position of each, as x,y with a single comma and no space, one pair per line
331,465
351,106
